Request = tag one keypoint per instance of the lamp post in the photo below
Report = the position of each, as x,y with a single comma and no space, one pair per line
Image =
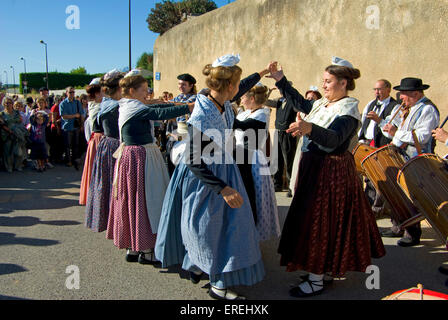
24,81
13,79
46,61
130,60
6,85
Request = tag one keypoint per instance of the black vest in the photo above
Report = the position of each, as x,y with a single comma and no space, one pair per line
379,139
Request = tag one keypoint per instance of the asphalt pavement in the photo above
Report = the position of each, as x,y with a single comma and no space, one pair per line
46,252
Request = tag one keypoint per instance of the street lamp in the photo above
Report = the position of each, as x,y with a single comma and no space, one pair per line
24,81
6,86
46,60
130,61
13,79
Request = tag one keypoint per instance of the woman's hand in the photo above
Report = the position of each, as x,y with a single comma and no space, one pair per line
232,197
300,127
276,71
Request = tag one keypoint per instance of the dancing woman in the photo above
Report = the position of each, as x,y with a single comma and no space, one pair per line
251,142
330,227
98,200
207,222
141,176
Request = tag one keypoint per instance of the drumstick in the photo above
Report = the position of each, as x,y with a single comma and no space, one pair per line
443,123
417,144
393,117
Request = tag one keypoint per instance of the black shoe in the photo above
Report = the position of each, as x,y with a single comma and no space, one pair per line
143,260
298,293
195,278
278,189
327,280
76,165
212,294
444,269
132,257
408,242
390,234
289,194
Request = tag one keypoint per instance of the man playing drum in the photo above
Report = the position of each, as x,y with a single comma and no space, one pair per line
412,132
442,135
373,118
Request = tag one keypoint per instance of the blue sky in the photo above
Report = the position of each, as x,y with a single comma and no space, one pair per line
99,45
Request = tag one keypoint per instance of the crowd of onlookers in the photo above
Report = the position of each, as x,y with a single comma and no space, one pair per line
32,133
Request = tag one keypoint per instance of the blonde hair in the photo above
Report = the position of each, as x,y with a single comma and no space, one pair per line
219,78
260,93
41,99
132,82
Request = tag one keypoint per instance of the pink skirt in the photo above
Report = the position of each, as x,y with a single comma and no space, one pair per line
88,164
128,223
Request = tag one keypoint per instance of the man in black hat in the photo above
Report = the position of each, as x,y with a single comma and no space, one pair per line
187,87
420,115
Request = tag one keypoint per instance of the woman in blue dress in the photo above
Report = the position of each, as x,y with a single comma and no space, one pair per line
207,223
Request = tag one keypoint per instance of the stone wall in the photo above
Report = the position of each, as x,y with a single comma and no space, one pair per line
389,39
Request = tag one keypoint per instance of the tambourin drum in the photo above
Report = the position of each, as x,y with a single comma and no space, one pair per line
360,151
424,179
382,167
417,293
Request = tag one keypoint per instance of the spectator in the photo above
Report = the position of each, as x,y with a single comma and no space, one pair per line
55,139
19,106
29,104
71,114
44,93
39,122
13,136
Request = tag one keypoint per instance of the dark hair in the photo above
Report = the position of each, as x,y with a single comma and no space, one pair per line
29,100
133,82
317,93
111,85
92,90
342,72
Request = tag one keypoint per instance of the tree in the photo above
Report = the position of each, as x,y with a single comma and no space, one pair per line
145,61
169,14
79,70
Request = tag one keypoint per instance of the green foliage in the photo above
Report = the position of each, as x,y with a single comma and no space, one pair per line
79,70
169,14
56,80
145,61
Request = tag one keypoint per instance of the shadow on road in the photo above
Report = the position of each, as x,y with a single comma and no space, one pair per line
39,199
31,221
11,239
8,268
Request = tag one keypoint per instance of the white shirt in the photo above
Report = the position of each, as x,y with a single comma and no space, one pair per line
370,131
427,121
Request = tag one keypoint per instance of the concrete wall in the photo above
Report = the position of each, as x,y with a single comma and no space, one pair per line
389,39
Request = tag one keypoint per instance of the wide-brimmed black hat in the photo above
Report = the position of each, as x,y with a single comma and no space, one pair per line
411,84
187,77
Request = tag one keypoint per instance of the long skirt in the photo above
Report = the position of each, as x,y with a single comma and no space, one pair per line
134,201
330,226
268,225
88,164
200,231
98,200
